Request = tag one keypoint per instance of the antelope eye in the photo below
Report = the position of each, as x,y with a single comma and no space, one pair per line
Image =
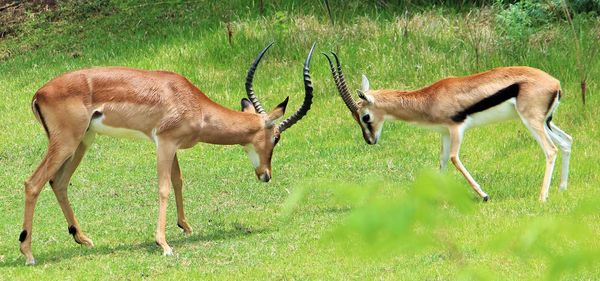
366,118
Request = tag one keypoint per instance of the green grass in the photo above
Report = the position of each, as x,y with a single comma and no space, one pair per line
337,208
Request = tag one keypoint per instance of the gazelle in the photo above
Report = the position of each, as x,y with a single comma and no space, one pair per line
159,106
455,104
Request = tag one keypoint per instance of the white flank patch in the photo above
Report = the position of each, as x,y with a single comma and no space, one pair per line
97,126
502,112
252,155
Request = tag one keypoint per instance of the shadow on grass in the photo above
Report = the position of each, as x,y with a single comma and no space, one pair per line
149,246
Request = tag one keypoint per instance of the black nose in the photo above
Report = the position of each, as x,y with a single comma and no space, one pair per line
265,177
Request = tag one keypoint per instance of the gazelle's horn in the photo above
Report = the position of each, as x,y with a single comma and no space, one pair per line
340,83
250,76
308,96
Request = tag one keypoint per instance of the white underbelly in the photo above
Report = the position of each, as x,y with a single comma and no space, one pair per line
442,129
502,112
97,126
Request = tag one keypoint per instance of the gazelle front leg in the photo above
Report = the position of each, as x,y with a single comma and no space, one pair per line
166,154
445,153
177,181
456,135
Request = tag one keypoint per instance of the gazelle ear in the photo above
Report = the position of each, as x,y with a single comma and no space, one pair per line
365,97
247,106
365,84
276,113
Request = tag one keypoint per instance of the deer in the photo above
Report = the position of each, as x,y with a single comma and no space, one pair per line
162,107
453,105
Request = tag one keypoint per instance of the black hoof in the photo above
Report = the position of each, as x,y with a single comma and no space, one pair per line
486,198
179,225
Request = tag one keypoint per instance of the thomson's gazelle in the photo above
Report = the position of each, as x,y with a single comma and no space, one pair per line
455,104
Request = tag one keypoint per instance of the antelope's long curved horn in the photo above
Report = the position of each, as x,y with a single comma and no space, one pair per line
308,96
340,83
250,76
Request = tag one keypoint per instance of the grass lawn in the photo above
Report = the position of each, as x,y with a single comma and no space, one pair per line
336,208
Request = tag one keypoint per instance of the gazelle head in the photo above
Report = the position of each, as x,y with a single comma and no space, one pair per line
369,118
260,149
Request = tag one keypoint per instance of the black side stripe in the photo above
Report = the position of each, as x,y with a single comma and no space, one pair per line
499,97
37,108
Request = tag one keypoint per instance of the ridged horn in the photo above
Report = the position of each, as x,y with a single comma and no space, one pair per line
340,83
308,95
251,96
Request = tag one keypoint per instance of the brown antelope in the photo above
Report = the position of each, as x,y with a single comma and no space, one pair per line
455,104
159,106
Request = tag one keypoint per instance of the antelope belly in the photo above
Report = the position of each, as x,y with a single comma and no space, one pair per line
96,125
502,112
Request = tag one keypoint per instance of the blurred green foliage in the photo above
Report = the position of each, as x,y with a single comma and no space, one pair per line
380,228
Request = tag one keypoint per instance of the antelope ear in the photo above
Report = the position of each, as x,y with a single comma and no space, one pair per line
277,113
365,97
365,84
247,106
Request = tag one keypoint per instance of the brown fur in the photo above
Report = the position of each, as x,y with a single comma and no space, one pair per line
436,103
164,106
439,103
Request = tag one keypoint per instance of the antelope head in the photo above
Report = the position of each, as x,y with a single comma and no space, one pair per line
365,113
260,148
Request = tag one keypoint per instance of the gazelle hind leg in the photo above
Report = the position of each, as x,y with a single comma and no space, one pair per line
177,181
65,132
539,132
60,185
58,153
456,136
564,142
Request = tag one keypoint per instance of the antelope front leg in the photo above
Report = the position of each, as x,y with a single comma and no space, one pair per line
177,181
445,153
165,154
456,135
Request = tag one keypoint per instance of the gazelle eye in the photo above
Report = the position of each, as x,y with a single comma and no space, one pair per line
366,118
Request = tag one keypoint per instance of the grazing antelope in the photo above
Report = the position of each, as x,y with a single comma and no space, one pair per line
159,106
453,105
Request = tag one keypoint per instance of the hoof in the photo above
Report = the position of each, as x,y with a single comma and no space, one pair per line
30,261
486,198
168,252
88,243
82,240
187,230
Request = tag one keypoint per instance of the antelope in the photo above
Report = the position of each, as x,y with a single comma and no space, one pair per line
454,104
159,106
